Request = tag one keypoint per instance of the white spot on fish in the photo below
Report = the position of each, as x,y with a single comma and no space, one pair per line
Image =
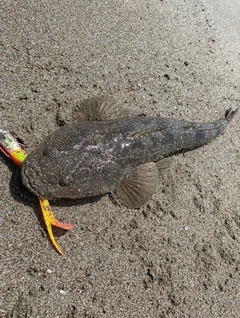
125,145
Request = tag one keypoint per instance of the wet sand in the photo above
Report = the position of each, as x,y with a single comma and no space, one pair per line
178,256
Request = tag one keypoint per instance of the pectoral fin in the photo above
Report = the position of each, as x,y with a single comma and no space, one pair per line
138,186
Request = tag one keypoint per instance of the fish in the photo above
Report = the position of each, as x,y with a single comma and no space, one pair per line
108,150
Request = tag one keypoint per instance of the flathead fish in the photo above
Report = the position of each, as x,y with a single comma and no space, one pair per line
110,151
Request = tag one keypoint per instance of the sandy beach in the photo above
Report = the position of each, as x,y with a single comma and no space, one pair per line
179,255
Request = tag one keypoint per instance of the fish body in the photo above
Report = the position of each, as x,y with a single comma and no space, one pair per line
100,155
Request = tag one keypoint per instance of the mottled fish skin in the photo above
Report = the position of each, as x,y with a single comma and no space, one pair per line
90,158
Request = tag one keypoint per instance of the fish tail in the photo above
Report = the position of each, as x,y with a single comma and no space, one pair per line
189,136
229,114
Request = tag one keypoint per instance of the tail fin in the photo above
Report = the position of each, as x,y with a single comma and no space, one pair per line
229,114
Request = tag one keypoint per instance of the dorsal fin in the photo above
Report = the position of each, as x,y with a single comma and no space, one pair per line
101,108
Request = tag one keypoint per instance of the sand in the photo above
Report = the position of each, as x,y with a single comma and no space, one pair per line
178,256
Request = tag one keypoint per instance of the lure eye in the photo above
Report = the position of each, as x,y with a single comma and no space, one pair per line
65,181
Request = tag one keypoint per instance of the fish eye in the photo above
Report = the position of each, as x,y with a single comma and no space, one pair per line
65,181
48,152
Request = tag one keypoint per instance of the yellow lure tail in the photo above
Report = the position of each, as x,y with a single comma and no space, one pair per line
50,220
